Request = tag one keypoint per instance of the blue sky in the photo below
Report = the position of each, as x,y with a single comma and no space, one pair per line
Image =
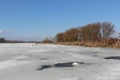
35,19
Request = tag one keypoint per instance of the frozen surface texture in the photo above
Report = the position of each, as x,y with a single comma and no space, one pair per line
57,62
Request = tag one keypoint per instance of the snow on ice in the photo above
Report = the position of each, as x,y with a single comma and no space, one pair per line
26,61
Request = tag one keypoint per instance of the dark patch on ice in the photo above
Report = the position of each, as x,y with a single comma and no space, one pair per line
69,64
62,65
113,57
44,67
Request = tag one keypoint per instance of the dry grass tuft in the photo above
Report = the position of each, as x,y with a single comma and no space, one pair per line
107,43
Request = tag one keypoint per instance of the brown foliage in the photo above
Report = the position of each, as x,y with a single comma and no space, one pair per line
91,32
107,29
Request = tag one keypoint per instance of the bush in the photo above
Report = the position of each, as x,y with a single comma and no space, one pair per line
2,40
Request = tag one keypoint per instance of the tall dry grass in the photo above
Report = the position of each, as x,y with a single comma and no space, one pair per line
117,44
108,43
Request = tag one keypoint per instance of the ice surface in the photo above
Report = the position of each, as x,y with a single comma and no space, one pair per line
11,63
20,62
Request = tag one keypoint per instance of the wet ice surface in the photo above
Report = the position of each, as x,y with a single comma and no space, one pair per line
58,62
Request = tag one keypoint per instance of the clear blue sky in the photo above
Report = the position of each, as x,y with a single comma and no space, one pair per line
35,19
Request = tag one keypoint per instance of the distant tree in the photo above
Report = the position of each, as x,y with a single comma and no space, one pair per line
48,40
60,37
119,36
91,32
107,29
94,30
2,40
71,35
84,33
97,31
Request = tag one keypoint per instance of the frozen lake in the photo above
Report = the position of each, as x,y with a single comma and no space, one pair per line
27,61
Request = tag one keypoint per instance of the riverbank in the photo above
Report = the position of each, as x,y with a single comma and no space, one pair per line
93,44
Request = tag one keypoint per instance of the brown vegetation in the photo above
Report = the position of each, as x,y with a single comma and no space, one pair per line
92,35
2,40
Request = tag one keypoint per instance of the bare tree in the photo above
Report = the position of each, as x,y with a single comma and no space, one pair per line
107,29
60,37
71,35
91,32
2,40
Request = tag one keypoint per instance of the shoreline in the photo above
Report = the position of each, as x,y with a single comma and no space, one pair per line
89,44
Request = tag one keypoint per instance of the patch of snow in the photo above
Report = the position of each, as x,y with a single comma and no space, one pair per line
75,64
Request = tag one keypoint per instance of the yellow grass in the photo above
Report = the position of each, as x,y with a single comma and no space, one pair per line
93,44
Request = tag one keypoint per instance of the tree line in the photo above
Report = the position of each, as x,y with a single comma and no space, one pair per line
2,40
91,32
